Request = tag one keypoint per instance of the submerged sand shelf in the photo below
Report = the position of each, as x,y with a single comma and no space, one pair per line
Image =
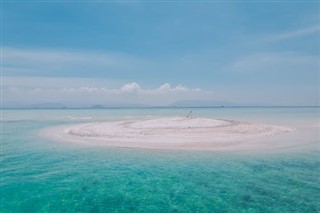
171,133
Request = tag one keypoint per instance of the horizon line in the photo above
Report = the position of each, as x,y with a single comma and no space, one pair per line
150,107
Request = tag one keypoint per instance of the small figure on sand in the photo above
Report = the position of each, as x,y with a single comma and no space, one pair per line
189,115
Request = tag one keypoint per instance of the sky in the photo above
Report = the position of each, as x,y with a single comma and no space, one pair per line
82,53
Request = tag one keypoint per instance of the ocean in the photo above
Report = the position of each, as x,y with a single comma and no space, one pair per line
41,175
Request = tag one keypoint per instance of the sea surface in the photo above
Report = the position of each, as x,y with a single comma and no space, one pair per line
41,175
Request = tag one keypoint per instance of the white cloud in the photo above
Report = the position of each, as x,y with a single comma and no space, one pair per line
130,87
179,88
285,62
30,62
165,87
295,34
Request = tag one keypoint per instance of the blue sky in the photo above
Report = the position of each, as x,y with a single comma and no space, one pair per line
241,52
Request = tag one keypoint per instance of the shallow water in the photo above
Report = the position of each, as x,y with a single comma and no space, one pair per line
38,175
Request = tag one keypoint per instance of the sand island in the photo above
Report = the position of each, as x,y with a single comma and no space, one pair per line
178,133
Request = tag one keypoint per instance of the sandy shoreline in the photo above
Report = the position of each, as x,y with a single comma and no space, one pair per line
177,133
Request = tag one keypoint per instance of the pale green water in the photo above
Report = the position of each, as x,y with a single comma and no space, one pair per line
38,175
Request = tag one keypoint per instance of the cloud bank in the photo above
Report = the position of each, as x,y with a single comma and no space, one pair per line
131,93
274,77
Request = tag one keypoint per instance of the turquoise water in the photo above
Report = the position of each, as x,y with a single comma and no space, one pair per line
38,175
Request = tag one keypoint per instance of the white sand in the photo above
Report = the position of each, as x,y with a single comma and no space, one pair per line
171,133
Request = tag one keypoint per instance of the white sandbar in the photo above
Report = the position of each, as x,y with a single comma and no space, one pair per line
170,133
